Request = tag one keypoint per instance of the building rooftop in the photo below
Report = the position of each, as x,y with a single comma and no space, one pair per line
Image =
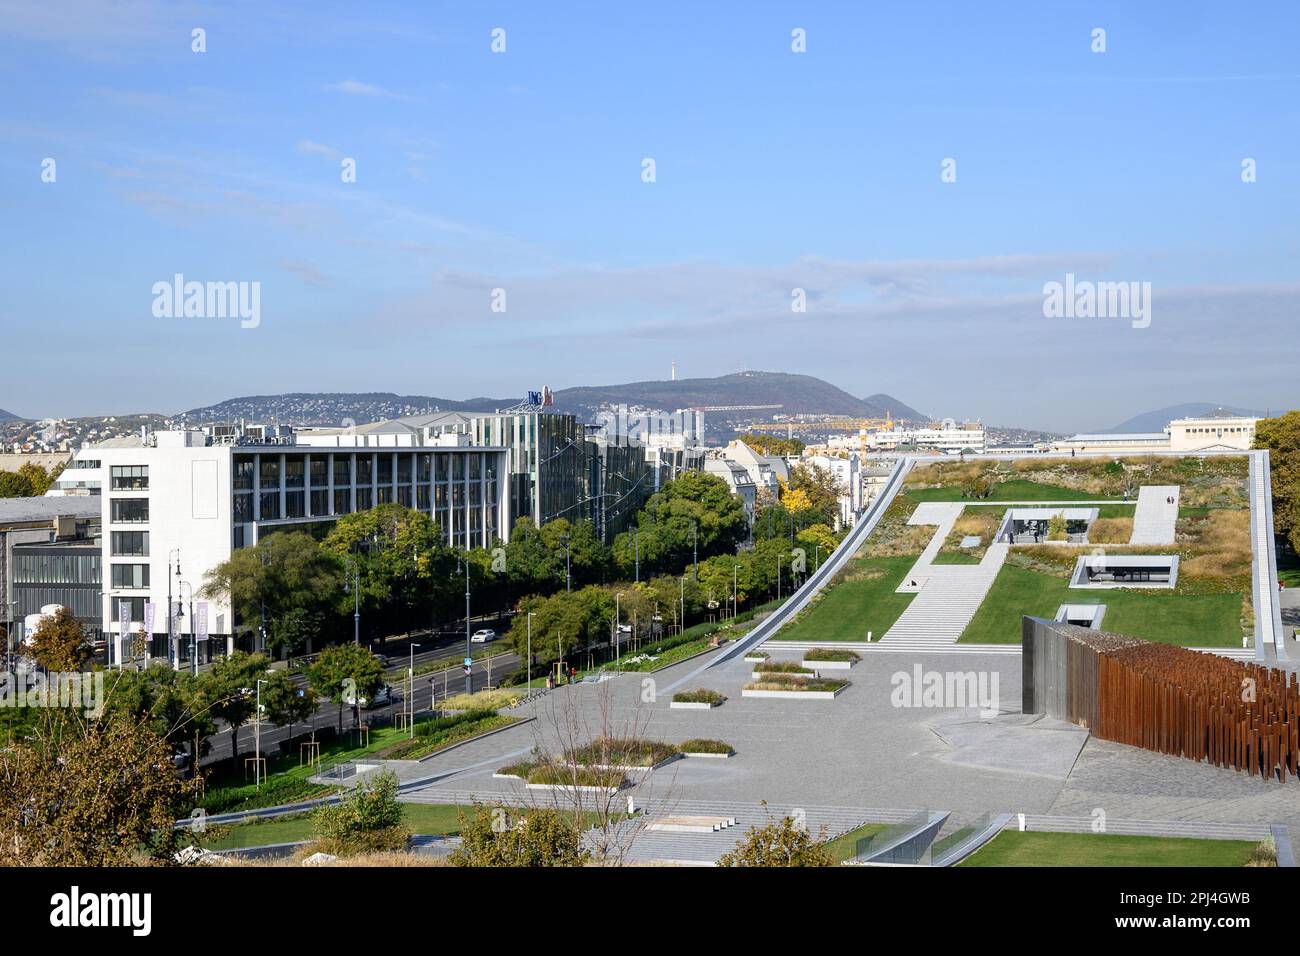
36,509
1120,437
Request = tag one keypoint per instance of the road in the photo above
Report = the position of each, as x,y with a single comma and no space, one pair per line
426,686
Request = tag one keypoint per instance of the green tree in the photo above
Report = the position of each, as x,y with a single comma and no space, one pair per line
285,703
170,703
366,820
230,687
39,479
59,643
1281,436
497,836
289,577
345,670
14,484
778,843
773,444
696,512
819,489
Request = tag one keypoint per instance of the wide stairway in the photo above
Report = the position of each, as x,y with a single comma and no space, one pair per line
947,595
1156,516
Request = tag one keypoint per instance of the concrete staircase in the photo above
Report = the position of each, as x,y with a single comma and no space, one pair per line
946,602
1156,518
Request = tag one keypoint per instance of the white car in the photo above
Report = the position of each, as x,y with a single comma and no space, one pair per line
483,636
383,697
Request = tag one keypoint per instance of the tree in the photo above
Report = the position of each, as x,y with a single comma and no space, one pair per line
286,576
817,535
779,843
169,703
696,512
14,484
230,686
402,561
59,643
285,703
819,488
498,836
366,820
345,670
105,796
1281,436
39,479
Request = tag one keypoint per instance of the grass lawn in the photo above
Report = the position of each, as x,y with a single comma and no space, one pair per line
864,601
1013,848
845,846
956,557
1288,571
1018,489
1192,620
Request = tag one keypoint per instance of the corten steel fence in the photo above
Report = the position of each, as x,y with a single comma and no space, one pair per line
1164,698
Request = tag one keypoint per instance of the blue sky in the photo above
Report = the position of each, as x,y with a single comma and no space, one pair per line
774,170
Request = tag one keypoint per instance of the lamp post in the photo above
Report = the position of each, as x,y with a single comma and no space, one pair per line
530,653
355,587
695,548
617,632
735,590
636,548
568,562
171,630
257,739
410,683
182,587
469,677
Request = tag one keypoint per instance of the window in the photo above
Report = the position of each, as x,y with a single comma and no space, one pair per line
363,499
294,466
365,470
319,477
320,502
242,509
270,472
129,510
130,543
130,575
137,608
342,501
385,469
342,470
403,469
424,467
294,504
244,473
270,505
130,477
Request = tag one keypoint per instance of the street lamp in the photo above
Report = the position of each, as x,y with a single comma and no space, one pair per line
469,677
171,630
182,587
257,739
617,626
530,653
695,548
568,562
636,549
410,682
355,587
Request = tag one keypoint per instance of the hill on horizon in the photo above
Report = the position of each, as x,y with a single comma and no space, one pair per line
796,394
10,417
1155,421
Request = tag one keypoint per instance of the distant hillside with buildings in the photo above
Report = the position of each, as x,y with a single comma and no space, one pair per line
1155,421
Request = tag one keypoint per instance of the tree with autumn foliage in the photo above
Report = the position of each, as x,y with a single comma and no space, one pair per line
59,643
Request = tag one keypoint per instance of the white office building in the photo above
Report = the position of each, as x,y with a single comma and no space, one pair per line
173,507
946,436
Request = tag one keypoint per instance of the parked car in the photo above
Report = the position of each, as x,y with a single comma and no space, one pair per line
383,661
483,636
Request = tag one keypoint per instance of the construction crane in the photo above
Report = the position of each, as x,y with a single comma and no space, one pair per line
732,408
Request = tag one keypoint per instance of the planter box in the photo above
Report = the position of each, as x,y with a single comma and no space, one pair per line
755,660
631,768
759,675
689,753
691,705
508,776
793,694
828,665
608,791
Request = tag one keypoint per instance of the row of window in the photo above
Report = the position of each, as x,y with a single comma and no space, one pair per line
130,575
129,477
56,568
383,468
128,510
129,544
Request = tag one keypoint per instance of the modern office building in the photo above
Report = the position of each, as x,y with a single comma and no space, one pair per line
1218,431
49,554
174,506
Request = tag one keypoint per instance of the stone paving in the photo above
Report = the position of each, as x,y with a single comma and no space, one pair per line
860,750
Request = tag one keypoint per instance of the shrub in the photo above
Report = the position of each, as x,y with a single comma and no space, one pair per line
569,775
779,843
621,752
795,682
831,654
702,746
520,768
700,696
498,836
783,667
1056,528
482,700
1264,854
1110,531
367,820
